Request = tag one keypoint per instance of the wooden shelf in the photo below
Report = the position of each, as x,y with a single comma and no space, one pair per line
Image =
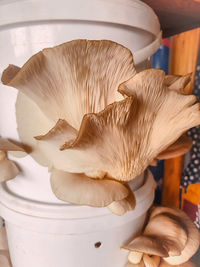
176,16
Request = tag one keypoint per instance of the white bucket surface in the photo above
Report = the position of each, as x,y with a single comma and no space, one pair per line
54,235
42,230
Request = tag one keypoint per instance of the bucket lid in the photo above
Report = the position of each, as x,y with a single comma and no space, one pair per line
130,13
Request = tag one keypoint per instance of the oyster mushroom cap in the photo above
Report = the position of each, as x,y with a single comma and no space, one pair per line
193,235
169,230
82,190
87,71
180,147
150,245
112,141
149,88
160,128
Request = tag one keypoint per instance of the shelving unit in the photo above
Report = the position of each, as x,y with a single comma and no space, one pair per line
176,16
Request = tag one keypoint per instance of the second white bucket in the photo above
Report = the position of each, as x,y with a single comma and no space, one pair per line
50,235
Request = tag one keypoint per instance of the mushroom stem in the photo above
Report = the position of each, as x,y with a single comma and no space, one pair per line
135,257
151,261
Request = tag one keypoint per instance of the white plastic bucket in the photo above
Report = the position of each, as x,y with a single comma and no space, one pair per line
42,230
53,235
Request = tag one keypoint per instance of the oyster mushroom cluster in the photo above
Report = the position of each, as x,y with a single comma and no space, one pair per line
169,238
97,124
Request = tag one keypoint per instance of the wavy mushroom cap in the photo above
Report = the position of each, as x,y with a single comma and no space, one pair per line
93,116
66,82
118,139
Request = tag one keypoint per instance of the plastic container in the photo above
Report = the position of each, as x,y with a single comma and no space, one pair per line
41,234
42,230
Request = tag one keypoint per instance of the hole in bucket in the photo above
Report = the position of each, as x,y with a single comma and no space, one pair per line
97,244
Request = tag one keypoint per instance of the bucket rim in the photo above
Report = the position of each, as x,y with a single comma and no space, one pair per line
67,211
113,11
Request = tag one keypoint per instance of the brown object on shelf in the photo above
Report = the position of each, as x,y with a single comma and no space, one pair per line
184,53
176,15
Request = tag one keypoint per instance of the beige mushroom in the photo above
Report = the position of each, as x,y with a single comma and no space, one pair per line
94,126
193,235
8,169
73,79
71,101
89,73
168,231
96,57
180,147
149,84
150,245
80,189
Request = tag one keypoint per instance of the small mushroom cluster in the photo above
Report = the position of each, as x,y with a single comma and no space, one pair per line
169,238
85,112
